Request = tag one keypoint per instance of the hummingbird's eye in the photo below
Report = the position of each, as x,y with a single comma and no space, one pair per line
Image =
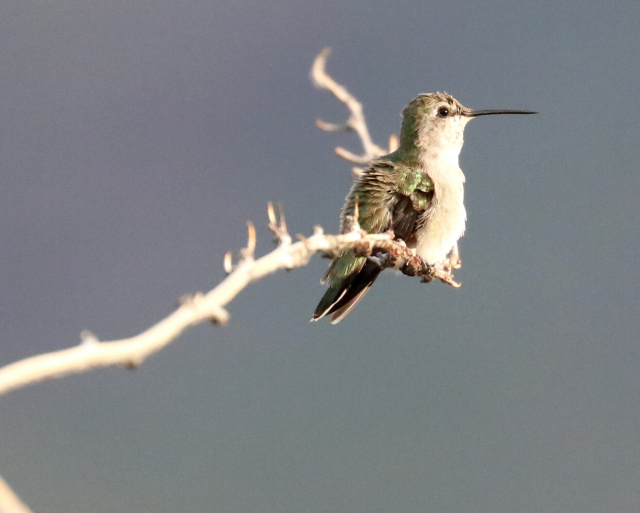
443,112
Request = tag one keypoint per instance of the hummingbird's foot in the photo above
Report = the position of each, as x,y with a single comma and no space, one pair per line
413,266
442,272
449,264
454,261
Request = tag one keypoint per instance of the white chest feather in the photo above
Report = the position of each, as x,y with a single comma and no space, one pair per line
444,221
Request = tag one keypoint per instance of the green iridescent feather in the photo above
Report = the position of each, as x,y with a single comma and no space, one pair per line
376,193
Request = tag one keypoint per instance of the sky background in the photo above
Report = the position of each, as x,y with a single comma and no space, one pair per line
137,138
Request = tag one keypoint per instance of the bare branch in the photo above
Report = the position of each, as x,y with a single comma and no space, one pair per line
351,157
356,121
193,310
9,501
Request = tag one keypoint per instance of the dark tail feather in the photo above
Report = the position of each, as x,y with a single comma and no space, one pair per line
343,311
339,300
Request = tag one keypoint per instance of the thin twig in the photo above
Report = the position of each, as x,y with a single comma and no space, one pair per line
393,143
356,121
278,225
351,157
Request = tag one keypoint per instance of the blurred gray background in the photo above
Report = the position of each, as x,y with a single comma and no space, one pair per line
136,140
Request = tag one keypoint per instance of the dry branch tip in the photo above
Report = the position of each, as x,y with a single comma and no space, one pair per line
317,70
394,143
249,252
278,225
333,127
228,262
351,157
87,338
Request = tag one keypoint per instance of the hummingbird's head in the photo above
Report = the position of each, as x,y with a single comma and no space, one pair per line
434,119
438,120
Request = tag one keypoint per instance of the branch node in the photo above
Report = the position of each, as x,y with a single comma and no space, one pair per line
288,261
88,338
199,301
303,239
190,299
133,364
219,316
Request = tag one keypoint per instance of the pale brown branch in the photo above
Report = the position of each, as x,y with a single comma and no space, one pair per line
9,501
131,352
356,121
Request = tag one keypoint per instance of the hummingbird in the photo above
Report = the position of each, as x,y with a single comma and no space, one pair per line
416,191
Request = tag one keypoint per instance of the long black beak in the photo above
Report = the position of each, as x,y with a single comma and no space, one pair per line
476,113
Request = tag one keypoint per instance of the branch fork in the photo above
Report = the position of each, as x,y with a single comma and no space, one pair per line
355,122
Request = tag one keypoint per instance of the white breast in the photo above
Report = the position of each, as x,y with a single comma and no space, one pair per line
445,220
